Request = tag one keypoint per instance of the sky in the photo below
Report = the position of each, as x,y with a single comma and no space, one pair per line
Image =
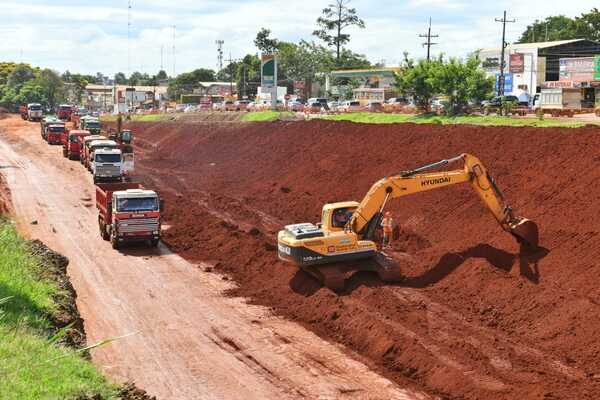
93,36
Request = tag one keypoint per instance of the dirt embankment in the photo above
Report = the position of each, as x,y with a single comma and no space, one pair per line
475,318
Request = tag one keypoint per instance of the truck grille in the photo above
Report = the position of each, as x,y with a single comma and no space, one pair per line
138,225
108,170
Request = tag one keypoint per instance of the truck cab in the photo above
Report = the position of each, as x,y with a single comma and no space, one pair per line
91,124
54,132
34,112
64,112
97,144
128,213
72,147
44,124
107,164
84,148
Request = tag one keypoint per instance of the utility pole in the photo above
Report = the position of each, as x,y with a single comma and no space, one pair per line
428,43
220,43
129,37
231,61
162,48
174,28
502,62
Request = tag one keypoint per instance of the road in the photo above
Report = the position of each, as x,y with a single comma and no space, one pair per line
187,339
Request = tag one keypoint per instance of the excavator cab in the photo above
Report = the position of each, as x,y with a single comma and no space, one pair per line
335,216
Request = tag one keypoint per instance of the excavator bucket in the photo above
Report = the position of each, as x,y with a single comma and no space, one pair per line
526,232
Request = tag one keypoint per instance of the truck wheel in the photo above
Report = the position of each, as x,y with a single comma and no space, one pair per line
102,226
114,241
154,242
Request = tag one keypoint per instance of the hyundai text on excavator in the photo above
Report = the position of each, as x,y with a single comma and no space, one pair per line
347,229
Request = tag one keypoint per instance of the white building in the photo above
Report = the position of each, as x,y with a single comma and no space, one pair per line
529,66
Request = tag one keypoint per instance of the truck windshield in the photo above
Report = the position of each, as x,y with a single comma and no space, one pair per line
35,108
137,204
56,129
108,158
92,125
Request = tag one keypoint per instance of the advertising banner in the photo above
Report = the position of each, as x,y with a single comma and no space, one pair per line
508,83
268,68
517,63
576,69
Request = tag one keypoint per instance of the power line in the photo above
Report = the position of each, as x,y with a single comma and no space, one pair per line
502,62
428,43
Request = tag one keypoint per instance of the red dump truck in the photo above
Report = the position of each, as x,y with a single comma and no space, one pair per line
128,213
64,112
72,143
55,132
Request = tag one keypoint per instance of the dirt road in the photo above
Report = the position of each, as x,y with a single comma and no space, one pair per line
188,340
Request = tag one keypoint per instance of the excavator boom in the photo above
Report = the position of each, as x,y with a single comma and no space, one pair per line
367,216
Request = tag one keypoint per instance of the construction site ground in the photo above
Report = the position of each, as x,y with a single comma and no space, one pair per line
178,335
475,318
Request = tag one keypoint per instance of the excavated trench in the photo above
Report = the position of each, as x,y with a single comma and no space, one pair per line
475,317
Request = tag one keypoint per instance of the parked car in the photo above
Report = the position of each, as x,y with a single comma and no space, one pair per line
333,105
497,102
350,106
295,106
241,105
321,100
374,106
395,104
313,107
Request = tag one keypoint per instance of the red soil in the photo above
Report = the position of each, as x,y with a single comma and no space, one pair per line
475,318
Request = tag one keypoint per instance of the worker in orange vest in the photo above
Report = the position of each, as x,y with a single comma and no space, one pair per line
388,226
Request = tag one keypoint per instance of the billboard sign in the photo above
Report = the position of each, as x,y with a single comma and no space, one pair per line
576,69
508,83
517,63
268,70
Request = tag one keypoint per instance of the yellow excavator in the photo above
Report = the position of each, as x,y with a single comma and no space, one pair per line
346,231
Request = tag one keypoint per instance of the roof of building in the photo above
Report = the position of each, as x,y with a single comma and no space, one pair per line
537,45
206,84
349,73
157,88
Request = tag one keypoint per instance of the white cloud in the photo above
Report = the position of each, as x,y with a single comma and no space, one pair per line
64,34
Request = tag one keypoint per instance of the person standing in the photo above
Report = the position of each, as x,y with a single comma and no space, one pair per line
388,226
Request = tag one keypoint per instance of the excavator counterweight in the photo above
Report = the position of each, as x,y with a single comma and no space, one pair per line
344,237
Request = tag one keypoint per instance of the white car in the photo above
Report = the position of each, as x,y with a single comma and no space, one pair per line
350,106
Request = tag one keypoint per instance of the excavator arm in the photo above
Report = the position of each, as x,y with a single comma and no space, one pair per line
367,217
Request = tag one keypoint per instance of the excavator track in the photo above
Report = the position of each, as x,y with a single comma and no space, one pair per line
334,276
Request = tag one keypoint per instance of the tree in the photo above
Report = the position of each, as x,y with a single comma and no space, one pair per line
335,19
20,75
187,81
52,87
303,61
264,42
461,82
418,81
162,75
120,78
560,27
552,28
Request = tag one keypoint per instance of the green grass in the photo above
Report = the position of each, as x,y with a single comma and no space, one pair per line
139,117
262,116
380,118
32,366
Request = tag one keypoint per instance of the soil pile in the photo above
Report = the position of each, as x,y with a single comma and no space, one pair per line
475,317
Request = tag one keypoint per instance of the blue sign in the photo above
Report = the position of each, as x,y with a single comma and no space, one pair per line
508,83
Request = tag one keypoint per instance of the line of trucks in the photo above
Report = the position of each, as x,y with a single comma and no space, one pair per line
127,212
